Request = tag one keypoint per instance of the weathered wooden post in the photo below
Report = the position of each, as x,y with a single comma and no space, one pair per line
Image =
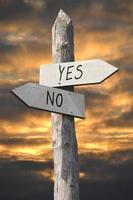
65,155
66,162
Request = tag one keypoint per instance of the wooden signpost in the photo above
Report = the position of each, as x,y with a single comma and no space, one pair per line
64,72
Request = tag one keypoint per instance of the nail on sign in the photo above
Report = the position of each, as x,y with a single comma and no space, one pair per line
75,73
51,99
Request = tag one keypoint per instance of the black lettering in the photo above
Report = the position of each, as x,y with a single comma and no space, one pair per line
61,71
81,72
59,100
49,97
69,72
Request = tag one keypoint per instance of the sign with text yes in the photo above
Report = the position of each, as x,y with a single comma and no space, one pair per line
51,99
75,73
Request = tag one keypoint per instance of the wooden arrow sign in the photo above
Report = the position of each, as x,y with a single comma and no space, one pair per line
75,73
51,99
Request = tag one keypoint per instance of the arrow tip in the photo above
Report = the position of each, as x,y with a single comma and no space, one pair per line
14,91
17,90
110,70
22,92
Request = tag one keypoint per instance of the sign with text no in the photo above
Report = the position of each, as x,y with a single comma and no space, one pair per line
51,99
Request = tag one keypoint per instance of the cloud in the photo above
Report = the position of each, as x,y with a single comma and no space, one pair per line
24,180
102,30
20,141
13,9
26,44
9,102
120,189
105,174
125,120
108,166
37,5
6,47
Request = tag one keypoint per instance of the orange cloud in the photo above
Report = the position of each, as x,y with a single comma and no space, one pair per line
27,44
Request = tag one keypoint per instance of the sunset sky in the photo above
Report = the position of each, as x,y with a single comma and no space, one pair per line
102,29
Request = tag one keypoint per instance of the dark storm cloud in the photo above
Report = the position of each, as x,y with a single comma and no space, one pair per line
94,98
106,177
112,167
113,6
11,108
109,178
21,53
117,6
7,47
128,115
125,84
12,141
103,190
102,20
25,165
37,42
125,120
23,181
13,10
125,73
88,13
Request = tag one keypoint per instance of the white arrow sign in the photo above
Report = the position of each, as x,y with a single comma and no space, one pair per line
52,99
75,73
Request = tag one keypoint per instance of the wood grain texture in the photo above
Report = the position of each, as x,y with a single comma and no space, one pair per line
65,155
